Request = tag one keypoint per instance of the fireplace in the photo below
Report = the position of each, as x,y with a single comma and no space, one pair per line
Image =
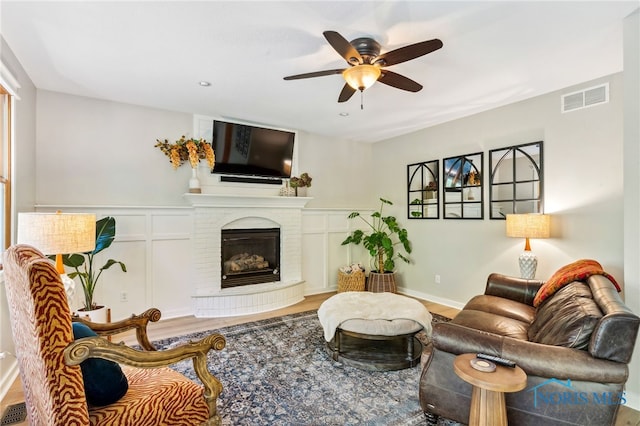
214,213
250,256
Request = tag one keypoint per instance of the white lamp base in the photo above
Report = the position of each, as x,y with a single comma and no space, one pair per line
528,264
69,288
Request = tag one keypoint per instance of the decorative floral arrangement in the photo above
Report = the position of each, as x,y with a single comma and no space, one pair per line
300,182
185,149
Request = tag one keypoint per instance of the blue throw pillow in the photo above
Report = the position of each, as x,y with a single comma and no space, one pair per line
104,381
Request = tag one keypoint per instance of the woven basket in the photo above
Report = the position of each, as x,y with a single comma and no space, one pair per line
379,283
350,282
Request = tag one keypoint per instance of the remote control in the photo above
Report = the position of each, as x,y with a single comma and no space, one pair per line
496,359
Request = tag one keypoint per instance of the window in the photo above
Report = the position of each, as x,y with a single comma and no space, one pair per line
8,95
5,167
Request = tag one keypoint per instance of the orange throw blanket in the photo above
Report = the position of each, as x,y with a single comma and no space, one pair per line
579,270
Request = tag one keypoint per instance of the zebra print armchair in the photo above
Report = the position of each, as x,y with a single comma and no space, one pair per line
49,358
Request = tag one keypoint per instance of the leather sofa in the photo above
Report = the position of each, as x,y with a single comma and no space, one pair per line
574,347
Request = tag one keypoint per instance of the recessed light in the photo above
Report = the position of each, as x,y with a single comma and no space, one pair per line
344,114
204,83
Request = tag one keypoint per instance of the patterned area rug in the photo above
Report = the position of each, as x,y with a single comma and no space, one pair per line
276,372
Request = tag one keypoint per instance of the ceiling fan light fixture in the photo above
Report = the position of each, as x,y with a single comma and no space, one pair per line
361,77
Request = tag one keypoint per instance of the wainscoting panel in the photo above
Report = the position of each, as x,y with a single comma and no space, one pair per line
172,277
314,263
323,231
157,245
147,282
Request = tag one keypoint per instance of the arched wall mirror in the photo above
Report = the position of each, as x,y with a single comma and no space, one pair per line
462,187
423,194
517,180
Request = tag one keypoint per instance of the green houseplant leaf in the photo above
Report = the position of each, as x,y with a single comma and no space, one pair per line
83,263
382,238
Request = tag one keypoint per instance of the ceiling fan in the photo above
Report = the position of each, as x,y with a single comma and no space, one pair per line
367,65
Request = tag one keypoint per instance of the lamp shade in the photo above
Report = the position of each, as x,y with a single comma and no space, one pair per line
361,77
530,225
58,233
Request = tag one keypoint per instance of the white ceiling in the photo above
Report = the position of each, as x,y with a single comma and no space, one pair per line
154,53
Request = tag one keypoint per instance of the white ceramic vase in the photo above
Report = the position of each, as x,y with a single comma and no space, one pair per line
194,182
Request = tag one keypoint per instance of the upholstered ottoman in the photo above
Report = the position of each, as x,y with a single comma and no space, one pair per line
374,331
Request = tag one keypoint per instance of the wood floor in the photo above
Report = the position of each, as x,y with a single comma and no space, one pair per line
179,326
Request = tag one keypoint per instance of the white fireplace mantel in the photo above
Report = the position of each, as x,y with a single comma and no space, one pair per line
232,200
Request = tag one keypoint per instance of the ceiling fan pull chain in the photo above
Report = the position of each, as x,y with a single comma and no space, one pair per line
361,99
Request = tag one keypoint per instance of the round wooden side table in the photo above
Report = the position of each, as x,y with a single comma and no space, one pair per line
487,398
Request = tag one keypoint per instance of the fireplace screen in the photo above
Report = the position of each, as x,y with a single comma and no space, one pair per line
250,256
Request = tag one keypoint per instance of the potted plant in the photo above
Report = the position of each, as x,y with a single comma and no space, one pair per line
381,240
304,181
83,263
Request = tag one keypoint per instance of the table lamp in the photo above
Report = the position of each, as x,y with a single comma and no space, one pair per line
58,233
527,226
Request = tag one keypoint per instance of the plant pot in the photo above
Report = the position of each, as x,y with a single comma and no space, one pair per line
379,283
287,192
301,191
100,315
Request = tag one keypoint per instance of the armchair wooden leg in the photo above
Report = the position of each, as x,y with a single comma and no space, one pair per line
213,421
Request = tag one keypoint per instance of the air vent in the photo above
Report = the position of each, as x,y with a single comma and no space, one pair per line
585,98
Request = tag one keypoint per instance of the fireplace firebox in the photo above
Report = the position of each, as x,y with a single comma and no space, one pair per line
250,256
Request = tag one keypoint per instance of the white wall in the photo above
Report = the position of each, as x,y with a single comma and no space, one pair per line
632,185
101,153
95,152
341,171
583,192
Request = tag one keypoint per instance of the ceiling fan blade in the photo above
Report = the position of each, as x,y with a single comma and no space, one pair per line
314,74
409,52
346,93
399,81
343,47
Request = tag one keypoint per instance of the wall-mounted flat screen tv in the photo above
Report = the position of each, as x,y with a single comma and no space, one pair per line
247,150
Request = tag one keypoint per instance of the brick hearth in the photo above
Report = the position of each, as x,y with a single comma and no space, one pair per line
212,213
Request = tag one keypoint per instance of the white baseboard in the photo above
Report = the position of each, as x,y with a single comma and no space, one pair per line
633,400
431,298
420,295
6,381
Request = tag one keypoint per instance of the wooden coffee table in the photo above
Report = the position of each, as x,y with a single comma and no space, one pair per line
487,398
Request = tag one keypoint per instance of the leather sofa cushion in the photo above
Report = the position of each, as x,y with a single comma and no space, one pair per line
566,319
492,323
501,306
